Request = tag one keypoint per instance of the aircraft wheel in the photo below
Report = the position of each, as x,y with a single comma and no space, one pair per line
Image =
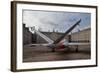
53,50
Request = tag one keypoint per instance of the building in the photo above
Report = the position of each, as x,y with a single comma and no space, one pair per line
28,36
81,36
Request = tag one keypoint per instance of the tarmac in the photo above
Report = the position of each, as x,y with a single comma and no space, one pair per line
42,53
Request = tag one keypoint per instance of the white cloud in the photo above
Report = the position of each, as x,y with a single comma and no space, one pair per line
60,21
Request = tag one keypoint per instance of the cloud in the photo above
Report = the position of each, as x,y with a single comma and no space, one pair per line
60,21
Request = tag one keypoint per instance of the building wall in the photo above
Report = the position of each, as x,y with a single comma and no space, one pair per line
83,35
39,39
28,37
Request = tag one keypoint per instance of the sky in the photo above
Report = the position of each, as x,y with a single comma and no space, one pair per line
56,20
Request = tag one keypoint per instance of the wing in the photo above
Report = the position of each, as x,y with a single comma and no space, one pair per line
38,44
43,36
76,44
67,32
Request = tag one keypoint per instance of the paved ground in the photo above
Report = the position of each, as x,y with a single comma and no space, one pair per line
41,53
